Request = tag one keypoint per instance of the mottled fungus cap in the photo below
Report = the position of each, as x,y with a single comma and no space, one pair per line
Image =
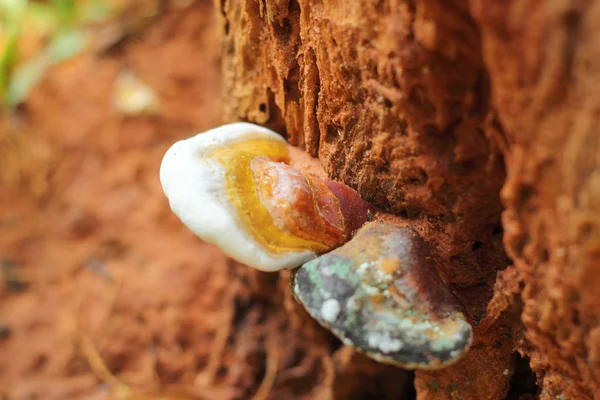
380,294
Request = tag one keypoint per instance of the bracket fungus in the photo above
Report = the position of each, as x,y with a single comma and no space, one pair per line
232,186
381,294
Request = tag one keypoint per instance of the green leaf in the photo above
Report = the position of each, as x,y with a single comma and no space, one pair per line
66,11
12,10
23,79
64,20
8,59
66,44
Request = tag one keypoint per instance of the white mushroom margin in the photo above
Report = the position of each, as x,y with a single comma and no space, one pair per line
195,187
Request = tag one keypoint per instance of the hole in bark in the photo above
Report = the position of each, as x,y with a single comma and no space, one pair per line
585,231
335,344
39,362
544,255
576,318
262,108
222,371
183,342
571,19
498,230
275,119
332,133
291,85
5,332
410,392
525,193
284,30
523,381
412,212
419,177
402,213
299,355
477,245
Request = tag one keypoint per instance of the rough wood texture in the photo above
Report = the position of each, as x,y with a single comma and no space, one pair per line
414,103
543,59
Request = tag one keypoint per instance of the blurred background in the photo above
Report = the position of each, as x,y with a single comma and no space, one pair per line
97,277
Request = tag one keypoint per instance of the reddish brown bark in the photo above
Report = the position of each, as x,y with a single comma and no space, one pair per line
543,60
422,106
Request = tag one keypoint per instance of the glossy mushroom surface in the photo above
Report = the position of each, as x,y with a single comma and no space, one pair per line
232,186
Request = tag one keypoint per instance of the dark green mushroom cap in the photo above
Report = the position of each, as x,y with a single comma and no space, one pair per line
380,294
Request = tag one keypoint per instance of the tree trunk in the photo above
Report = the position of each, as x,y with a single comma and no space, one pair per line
427,108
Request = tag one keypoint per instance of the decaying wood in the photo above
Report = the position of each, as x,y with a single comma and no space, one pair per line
429,107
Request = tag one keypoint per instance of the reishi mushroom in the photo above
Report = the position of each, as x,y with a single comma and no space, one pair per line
232,186
381,294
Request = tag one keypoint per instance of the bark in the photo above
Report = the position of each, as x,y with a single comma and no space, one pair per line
543,60
427,108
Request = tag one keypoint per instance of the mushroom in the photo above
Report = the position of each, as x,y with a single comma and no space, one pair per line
381,294
232,186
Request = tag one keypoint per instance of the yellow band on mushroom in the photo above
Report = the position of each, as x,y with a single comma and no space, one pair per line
242,192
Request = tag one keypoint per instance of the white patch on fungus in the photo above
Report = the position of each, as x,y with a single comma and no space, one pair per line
390,345
371,290
384,342
327,271
330,309
362,268
353,304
